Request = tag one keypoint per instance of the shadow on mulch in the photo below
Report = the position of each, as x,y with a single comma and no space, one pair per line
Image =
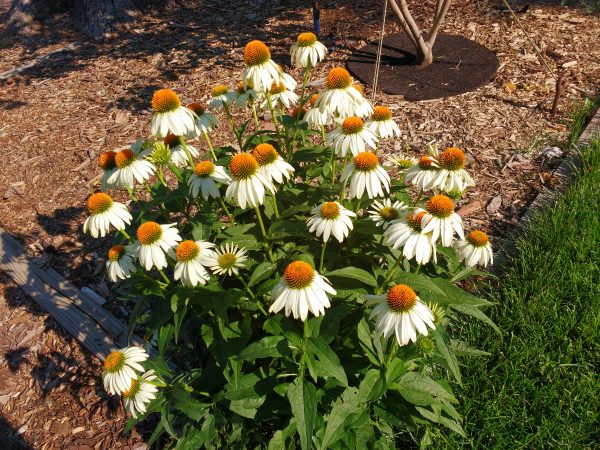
9,439
197,31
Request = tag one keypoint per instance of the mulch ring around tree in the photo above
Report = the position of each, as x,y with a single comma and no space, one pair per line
459,65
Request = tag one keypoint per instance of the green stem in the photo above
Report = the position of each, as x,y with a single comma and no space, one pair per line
418,199
264,234
303,357
273,116
187,152
260,306
160,176
210,146
343,191
164,276
322,256
255,115
391,352
233,125
231,221
300,108
358,207
389,276
132,194
275,208
124,233
148,188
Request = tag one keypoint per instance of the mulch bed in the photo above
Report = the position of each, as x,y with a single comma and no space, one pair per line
56,119
459,65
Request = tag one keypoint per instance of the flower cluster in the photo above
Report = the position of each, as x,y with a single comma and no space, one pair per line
226,249
124,375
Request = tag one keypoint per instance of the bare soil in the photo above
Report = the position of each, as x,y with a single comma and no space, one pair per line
57,117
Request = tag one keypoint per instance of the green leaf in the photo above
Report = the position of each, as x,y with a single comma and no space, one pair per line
283,229
269,346
422,390
340,416
303,400
354,273
462,349
239,229
366,343
181,399
372,386
201,228
329,361
448,355
455,295
474,311
437,417
261,272
394,370
248,392
420,283
246,241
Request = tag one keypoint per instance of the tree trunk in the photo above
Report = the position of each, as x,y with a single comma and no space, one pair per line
97,18
23,14
424,56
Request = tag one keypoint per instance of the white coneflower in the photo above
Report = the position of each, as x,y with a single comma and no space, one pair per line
400,161
248,185
129,169
222,96
339,96
406,232
227,259
204,121
169,116
423,173
246,96
261,72
475,249
402,313
316,119
383,212
106,161
331,218
282,96
382,124
206,173
104,212
271,164
300,290
364,108
307,51
367,174
351,136
452,177
192,257
139,393
288,80
119,264
120,367
178,155
441,220
154,241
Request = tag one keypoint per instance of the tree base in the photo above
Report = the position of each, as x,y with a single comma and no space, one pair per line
96,18
459,65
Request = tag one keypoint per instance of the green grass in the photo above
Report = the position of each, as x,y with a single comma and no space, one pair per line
539,389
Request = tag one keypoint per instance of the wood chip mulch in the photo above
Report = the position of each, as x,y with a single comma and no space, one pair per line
56,118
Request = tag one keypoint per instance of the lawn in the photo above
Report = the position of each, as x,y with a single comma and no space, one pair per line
539,386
